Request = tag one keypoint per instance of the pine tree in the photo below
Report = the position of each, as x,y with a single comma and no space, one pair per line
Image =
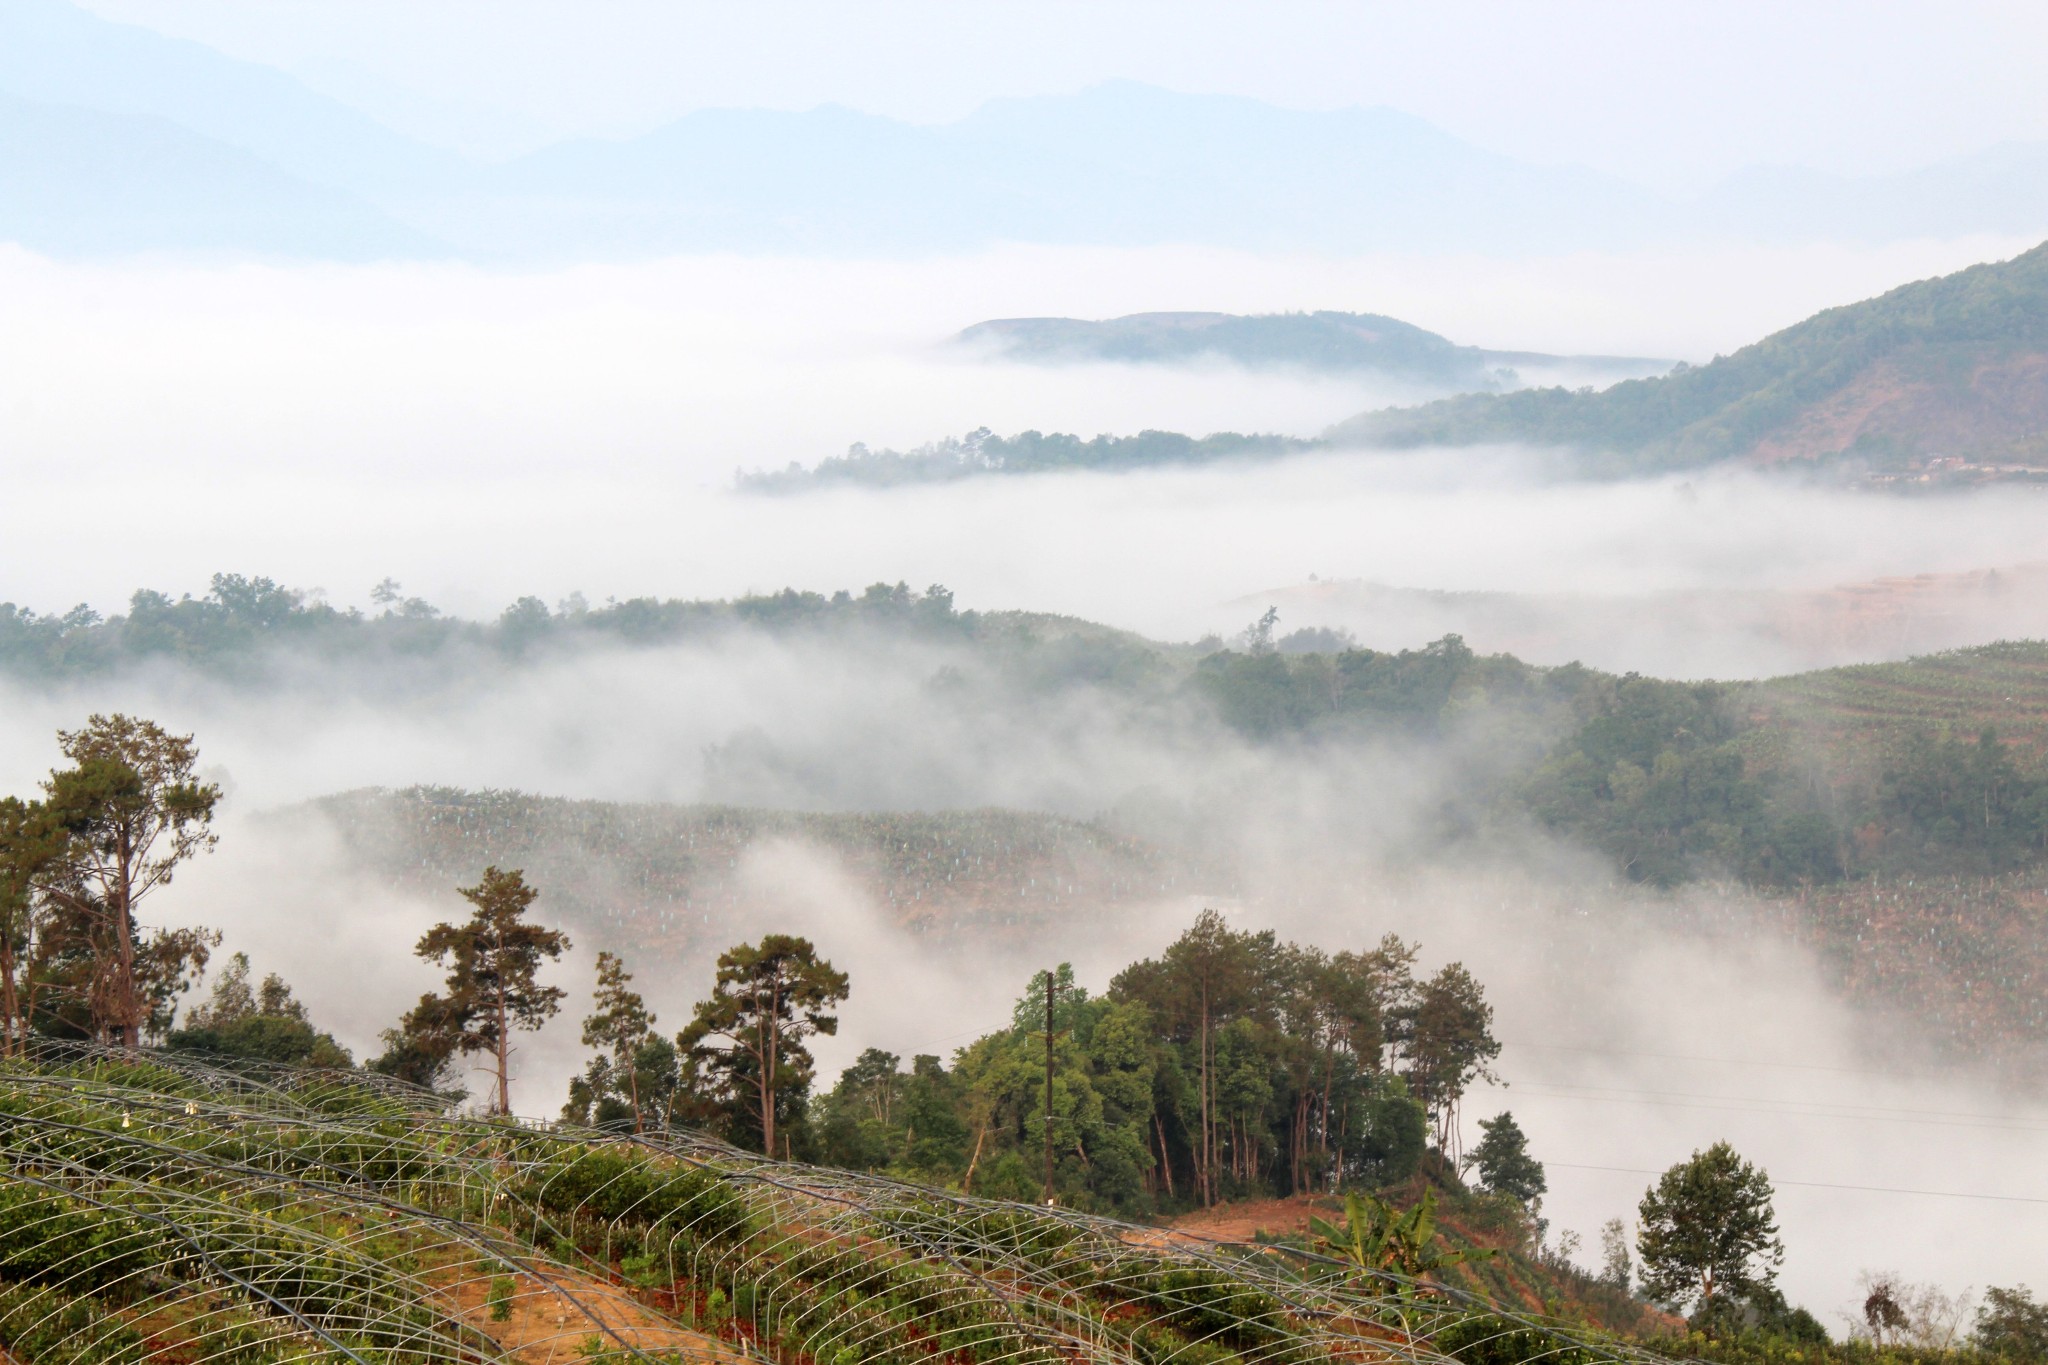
767,999
129,810
493,964
620,1026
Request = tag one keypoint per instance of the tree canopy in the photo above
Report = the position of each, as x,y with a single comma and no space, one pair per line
1707,1231
493,961
766,999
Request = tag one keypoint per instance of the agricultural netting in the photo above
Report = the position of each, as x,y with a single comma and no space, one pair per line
158,1208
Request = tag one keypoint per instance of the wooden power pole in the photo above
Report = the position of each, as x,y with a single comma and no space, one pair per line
1050,977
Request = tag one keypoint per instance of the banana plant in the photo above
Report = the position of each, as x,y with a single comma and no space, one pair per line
1377,1238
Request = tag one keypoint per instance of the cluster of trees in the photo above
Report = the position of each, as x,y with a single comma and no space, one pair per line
265,1022
1028,452
1656,776
229,627
1230,1065
77,863
1967,800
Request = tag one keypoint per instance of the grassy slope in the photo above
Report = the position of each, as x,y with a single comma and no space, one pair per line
1932,339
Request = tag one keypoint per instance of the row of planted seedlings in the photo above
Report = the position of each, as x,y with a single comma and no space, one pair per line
776,1267
1205,1303
455,1173
826,1263
1155,1306
206,1220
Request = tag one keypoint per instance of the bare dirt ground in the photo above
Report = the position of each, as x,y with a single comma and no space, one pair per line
552,1317
1240,1222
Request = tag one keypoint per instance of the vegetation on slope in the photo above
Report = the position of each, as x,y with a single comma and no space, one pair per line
1028,452
161,1209
1967,343
1859,779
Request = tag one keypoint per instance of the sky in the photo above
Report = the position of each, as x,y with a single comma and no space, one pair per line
1675,94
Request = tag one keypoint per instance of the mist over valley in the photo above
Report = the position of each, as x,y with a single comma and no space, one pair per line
704,685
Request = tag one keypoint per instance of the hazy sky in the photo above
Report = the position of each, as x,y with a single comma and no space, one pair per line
1676,93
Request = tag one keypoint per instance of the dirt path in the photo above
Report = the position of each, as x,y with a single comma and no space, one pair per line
551,1319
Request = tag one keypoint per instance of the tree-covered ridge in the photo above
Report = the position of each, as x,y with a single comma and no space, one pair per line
1794,781
1929,338
1028,452
242,620
1321,340
1768,781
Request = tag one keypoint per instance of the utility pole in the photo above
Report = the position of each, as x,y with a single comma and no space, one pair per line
1050,977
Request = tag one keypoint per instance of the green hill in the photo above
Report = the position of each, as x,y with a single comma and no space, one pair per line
1949,368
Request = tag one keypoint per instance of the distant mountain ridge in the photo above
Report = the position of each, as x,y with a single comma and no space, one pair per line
1325,341
1953,369
1121,164
87,182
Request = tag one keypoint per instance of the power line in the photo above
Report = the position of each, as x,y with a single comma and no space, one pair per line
1756,1104
1735,1061
1825,1185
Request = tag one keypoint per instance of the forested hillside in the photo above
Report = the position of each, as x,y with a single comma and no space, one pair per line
1955,367
1936,765
1028,452
1848,787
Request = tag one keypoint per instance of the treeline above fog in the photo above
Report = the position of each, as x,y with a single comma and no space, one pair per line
1028,452
1939,381
1934,765
241,621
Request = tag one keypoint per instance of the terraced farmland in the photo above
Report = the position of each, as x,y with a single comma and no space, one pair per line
1860,711
156,1209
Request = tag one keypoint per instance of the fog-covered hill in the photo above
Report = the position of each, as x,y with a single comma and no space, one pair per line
1325,341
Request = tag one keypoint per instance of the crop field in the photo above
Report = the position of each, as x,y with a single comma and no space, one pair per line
671,878
157,1209
1867,708
1966,957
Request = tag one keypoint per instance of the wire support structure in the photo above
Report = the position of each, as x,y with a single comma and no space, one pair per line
158,1207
